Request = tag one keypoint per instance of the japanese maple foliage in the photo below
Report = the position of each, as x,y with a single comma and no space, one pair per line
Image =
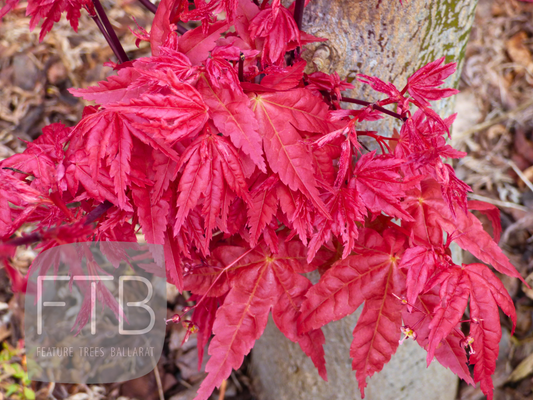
220,148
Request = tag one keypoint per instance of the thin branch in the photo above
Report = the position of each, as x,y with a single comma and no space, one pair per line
25,240
521,174
153,8
149,5
36,236
374,106
158,381
496,202
106,35
98,212
222,392
503,117
117,48
181,29
241,67
299,12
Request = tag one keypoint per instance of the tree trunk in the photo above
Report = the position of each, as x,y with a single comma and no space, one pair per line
390,42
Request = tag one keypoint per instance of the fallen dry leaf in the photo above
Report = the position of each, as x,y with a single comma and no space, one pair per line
518,51
523,369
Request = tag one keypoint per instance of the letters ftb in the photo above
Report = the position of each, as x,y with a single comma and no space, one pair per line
93,279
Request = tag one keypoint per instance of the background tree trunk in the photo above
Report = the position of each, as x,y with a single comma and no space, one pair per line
390,42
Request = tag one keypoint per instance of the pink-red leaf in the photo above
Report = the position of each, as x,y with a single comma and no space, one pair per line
239,323
379,185
279,116
454,292
423,84
232,114
196,44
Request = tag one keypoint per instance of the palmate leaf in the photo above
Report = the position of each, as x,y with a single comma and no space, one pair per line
173,116
466,229
492,213
152,216
488,293
239,323
372,277
204,318
14,192
107,136
436,314
261,281
196,44
280,116
451,352
276,25
145,75
378,185
377,333
423,84
100,186
292,288
286,79
50,11
262,207
454,292
173,261
346,210
211,167
233,116
420,263
113,90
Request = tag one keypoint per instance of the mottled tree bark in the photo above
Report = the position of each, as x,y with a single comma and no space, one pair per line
390,42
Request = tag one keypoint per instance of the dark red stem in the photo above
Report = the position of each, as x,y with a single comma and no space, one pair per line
116,46
377,137
149,5
241,68
34,237
106,35
25,240
181,29
98,212
299,12
153,8
374,106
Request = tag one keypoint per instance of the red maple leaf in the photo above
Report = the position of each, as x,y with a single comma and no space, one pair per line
233,116
346,210
377,181
465,228
210,167
372,277
424,84
50,11
260,282
281,117
276,25
451,352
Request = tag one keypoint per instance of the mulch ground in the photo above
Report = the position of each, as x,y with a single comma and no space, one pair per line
495,127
